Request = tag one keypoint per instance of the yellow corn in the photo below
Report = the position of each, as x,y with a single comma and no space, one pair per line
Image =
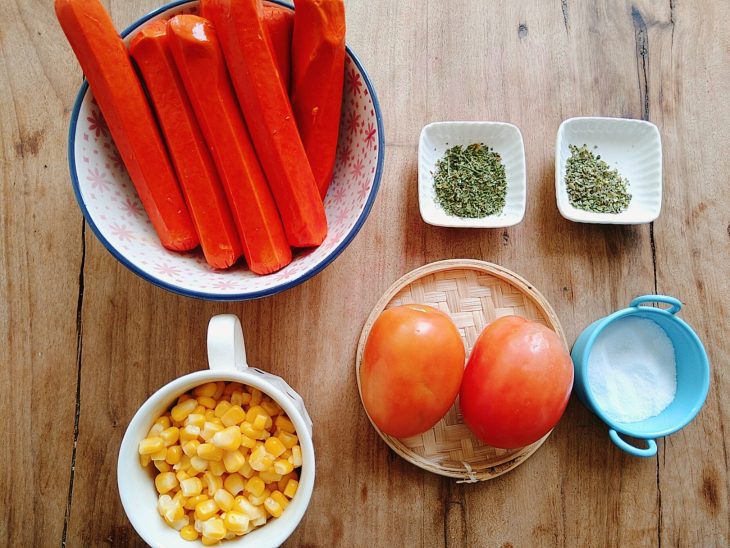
193,502
285,479
233,461
256,396
214,528
279,497
210,429
170,436
189,533
159,455
255,486
207,541
259,423
271,407
179,524
296,455
162,466
249,432
212,482
182,475
282,466
269,477
196,419
198,464
236,522
228,439
164,421
208,451
210,415
173,454
189,432
190,448
274,447
287,439
149,446
206,509
205,390
260,460
181,411
234,484
199,410
258,501
291,488
232,387
273,507
207,402
246,471
155,430
183,465
221,408
220,388
144,460
191,487
284,424
224,499
240,398
234,415
217,467
165,482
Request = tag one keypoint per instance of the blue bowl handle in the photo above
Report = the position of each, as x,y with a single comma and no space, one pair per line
676,304
650,450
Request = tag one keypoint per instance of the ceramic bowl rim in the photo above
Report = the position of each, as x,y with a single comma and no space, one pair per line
207,295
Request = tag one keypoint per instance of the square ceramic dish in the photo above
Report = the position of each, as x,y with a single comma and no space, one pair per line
504,138
633,147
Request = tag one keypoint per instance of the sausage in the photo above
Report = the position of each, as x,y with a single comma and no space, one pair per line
279,23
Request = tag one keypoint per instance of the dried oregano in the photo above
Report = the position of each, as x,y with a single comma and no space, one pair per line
471,181
592,185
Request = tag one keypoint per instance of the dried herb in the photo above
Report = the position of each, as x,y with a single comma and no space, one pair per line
592,185
471,181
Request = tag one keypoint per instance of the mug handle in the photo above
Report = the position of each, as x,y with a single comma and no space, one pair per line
226,349
650,450
675,304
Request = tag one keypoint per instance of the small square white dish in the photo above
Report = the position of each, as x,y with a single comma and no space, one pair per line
633,147
504,138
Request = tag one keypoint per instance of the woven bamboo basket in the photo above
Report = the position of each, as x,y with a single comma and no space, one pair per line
474,293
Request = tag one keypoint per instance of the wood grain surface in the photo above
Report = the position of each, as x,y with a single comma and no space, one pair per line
83,341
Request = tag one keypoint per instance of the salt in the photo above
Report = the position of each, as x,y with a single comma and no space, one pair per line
632,371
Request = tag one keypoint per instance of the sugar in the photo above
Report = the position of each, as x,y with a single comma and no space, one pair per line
632,371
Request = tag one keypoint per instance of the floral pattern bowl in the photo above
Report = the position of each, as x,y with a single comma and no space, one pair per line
114,212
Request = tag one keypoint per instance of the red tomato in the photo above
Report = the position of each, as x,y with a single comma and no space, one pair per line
516,384
411,369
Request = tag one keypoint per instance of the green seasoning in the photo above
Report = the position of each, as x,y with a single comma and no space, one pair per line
592,185
470,181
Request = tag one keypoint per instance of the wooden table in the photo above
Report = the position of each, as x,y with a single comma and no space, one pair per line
84,341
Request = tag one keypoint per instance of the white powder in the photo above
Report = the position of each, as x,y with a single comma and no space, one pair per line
632,371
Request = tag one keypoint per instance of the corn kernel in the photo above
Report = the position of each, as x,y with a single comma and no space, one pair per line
196,419
259,459
258,501
179,497
291,488
279,497
252,512
236,522
246,471
159,455
284,424
259,423
232,387
221,408
205,390
271,407
209,415
184,464
173,454
162,466
296,455
210,429
212,482
217,467
256,396
287,439
183,409
228,439
206,509
164,421
208,403
255,486
189,432
234,484
155,430
149,446
214,528
180,523
260,521
285,479
170,436
220,388
192,502
190,448
283,467
274,447
165,482
183,398
189,533
198,464
233,460
191,487
144,460
269,477
234,415
250,432
199,410
182,475
273,507
224,499
207,541
240,398
208,451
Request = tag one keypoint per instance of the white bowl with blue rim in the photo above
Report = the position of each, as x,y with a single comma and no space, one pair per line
114,212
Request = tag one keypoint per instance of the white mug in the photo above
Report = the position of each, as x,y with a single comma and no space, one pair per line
227,362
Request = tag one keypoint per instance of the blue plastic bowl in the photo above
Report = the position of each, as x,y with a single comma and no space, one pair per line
693,374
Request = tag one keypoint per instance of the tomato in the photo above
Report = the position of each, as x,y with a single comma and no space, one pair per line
411,369
516,384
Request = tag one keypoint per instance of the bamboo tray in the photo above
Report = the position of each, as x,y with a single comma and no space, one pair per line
474,293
